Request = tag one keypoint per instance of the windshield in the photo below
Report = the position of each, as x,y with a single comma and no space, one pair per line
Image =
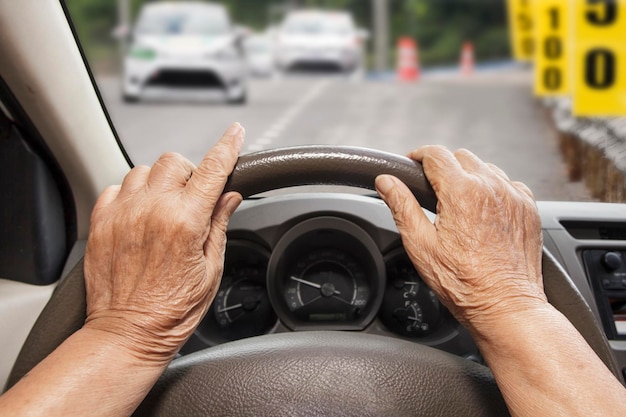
189,21
409,73
318,25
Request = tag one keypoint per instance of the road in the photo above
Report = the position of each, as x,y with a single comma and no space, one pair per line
493,115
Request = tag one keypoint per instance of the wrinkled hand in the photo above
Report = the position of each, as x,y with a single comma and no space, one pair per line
482,255
156,246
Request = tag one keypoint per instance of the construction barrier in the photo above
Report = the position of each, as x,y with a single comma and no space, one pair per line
594,150
467,59
408,60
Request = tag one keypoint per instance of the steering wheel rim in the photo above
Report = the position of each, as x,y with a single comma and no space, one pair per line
290,373
326,165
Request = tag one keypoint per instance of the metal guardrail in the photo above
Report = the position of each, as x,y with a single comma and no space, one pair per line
594,150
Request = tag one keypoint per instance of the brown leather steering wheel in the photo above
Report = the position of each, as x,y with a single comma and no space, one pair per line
317,373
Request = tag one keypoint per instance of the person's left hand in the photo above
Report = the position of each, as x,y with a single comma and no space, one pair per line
155,251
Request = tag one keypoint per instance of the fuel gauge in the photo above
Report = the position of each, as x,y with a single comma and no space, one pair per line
409,307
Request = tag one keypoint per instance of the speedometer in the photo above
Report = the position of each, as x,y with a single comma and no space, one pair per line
326,273
327,286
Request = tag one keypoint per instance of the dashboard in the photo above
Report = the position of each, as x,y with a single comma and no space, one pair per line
332,261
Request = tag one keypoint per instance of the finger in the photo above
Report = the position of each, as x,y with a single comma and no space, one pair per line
208,180
215,244
170,171
135,180
498,171
416,230
470,162
440,166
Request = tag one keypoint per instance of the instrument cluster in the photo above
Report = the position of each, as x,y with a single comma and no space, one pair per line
323,273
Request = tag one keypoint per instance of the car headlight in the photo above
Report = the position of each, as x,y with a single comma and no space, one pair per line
146,54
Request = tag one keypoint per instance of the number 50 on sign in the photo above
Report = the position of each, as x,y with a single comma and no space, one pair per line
521,23
599,60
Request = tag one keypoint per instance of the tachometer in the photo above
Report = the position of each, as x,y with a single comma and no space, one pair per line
241,307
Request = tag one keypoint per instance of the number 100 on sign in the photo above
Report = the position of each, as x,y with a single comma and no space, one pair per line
553,47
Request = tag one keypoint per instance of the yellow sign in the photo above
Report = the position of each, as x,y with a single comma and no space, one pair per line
599,61
553,46
521,29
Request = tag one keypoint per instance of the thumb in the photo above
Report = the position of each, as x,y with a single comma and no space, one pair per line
417,232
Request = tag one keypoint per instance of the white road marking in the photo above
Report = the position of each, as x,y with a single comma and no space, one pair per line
282,123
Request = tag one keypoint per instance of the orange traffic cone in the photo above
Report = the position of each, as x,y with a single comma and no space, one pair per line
408,60
467,59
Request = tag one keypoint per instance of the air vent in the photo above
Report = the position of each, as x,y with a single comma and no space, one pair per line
595,230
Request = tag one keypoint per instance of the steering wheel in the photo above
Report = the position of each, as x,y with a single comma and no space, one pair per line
317,373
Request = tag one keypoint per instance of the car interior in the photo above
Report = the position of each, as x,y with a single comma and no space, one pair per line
384,341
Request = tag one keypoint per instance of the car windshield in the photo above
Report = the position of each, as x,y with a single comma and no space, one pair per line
455,73
318,25
189,21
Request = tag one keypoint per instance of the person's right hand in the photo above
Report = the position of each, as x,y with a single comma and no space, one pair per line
155,251
482,255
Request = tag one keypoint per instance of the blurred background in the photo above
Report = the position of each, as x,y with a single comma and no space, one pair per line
441,26
385,74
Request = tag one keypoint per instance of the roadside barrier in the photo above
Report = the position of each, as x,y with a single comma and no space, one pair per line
408,60
467,59
594,150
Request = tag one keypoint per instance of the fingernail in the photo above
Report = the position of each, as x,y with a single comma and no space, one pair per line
384,184
234,129
237,132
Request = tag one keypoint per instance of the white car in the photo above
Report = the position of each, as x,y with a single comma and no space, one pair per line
319,40
184,50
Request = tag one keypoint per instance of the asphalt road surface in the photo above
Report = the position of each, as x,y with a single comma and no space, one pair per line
492,114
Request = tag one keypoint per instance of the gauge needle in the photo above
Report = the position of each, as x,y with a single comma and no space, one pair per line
413,318
411,283
233,307
311,301
342,300
311,284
